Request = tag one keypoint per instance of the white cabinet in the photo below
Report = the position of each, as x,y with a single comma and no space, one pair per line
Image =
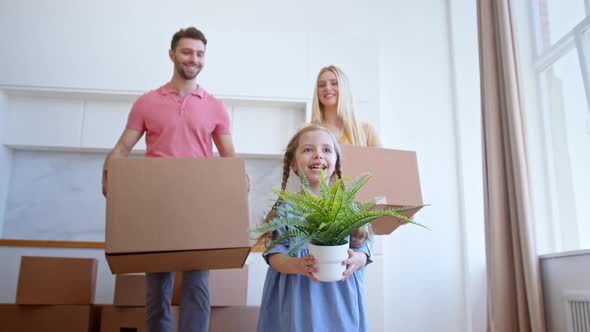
60,120
43,122
104,121
265,128
95,121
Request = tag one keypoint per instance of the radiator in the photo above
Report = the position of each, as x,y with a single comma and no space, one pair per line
577,311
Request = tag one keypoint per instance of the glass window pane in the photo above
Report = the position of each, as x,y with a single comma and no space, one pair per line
586,44
570,144
557,18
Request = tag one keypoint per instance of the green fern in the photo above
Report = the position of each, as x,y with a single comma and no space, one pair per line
327,219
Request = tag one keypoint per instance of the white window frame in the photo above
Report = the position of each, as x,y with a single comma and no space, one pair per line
542,60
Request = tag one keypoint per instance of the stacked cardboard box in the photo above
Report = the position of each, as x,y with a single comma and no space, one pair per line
235,318
53,294
226,287
129,290
228,294
128,310
49,318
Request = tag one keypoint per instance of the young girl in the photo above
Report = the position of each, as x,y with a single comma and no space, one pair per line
292,299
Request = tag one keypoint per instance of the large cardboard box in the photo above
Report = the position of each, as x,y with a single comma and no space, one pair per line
56,280
49,318
238,318
394,175
226,287
128,319
168,214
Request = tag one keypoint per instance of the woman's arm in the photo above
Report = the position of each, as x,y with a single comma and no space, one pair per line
372,137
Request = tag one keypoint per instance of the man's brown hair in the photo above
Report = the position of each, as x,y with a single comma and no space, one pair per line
190,32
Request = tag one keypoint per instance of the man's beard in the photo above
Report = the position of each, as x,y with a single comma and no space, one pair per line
186,74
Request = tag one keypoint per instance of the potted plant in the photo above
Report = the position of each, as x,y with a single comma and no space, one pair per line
324,222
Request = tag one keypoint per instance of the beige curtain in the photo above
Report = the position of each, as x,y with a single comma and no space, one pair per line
515,300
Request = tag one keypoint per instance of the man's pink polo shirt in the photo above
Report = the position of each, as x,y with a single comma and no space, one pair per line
179,128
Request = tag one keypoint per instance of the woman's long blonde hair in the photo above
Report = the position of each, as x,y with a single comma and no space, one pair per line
345,108
360,235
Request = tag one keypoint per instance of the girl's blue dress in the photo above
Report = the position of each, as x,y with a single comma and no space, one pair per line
294,303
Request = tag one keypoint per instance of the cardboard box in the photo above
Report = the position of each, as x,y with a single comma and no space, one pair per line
168,214
238,318
122,319
394,175
129,290
56,280
226,287
49,318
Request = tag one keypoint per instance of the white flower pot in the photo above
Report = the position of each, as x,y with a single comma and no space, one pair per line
330,259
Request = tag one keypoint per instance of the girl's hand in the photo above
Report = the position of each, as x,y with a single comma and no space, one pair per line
354,262
306,265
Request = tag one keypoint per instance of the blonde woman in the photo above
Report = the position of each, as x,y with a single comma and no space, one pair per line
332,108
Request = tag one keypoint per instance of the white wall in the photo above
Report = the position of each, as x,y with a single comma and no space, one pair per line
258,49
430,104
398,55
465,83
5,161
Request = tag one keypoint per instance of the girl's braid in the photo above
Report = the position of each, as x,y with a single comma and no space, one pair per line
264,238
286,169
337,168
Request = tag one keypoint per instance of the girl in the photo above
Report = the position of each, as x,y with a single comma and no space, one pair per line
292,299
332,107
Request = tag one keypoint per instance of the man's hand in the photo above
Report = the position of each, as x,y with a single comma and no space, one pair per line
126,142
104,183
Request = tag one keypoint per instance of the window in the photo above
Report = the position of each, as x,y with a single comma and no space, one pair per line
559,121
557,18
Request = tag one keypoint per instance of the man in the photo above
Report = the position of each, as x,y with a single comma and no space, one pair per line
180,120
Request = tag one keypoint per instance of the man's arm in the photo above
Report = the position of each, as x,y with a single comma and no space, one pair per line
124,145
225,145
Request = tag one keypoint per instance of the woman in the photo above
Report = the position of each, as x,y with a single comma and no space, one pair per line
332,108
